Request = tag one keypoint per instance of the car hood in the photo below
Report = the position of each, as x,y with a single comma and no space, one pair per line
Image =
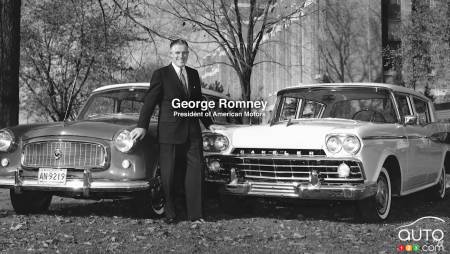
304,134
102,129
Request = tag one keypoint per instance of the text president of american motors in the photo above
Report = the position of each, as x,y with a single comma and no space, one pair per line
179,137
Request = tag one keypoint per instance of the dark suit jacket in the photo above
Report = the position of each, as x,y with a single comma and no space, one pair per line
164,87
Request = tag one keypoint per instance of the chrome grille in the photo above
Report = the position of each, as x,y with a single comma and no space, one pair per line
291,168
64,154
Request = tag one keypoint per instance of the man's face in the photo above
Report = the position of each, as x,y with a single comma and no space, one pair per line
179,54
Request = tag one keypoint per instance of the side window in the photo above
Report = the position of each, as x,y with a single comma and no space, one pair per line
129,106
422,111
403,106
102,105
312,109
289,108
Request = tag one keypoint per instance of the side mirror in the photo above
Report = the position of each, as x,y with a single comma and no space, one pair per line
410,120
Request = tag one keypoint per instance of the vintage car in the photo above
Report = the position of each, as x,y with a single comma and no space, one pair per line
365,142
92,157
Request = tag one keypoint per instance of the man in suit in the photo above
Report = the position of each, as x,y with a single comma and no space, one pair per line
179,137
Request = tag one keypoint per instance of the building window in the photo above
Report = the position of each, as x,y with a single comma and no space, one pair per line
393,10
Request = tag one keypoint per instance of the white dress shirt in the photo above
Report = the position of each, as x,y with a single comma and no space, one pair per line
178,71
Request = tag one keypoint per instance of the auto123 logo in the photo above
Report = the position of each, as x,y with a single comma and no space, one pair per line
423,235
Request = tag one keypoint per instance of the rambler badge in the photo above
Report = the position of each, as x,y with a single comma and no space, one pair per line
57,153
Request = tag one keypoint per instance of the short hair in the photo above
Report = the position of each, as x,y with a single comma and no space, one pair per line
179,41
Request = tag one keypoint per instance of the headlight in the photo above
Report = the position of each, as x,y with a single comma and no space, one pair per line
207,143
123,141
221,143
6,140
214,142
350,143
334,144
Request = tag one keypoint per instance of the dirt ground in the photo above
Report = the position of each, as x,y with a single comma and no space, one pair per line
77,226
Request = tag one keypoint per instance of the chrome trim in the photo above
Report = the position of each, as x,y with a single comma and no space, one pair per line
17,180
288,168
302,191
384,137
393,137
286,157
416,137
279,152
47,158
85,185
86,182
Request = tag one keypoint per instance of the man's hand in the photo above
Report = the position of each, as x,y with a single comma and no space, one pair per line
214,127
138,133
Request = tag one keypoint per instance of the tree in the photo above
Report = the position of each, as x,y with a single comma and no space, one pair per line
425,51
9,62
344,42
69,48
236,27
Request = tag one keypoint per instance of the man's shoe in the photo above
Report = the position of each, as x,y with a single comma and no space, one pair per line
198,221
170,220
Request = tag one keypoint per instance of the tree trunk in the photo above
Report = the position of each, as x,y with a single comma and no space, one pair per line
448,22
244,79
9,62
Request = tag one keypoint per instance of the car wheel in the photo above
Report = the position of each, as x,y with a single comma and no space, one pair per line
438,191
30,201
150,203
378,207
157,201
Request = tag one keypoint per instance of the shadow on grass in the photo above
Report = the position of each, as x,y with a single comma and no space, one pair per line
403,209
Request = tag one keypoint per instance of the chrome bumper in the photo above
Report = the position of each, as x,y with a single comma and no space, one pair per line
84,185
302,191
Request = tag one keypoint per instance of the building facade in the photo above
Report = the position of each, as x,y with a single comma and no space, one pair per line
330,41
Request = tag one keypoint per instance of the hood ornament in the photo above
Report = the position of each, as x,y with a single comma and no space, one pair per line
57,153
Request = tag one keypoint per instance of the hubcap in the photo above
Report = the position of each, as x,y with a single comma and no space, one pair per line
382,196
157,198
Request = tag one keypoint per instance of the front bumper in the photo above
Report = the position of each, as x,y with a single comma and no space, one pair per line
84,186
302,191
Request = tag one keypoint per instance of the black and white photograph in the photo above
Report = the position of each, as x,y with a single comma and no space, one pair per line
225,126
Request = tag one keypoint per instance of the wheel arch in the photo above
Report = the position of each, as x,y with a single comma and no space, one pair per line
392,165
447,162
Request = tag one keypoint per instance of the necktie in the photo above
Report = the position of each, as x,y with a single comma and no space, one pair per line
183,80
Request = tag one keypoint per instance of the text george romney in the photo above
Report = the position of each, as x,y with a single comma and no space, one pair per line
223,103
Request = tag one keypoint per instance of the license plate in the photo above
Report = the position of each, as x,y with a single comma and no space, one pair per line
55,176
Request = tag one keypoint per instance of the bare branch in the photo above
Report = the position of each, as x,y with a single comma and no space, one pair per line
104,21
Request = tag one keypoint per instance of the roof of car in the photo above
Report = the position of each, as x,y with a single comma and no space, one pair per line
124,85
397,88
147,85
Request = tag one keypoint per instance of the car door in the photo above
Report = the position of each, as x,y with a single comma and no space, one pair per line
430,151
423,153
410,172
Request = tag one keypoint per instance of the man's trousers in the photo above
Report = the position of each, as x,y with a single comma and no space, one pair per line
171,175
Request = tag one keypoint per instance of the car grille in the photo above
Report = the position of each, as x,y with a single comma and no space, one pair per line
64,154
291,168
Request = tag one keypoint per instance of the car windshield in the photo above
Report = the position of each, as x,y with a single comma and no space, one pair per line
127,103
116,103
358,103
